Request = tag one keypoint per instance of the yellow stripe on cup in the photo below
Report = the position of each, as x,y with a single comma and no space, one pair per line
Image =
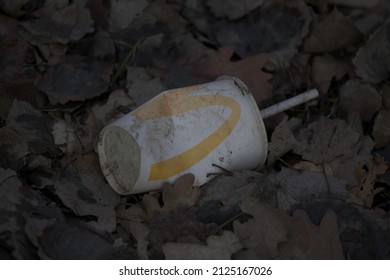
178,101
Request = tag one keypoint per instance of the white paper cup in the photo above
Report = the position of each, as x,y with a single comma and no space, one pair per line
184,130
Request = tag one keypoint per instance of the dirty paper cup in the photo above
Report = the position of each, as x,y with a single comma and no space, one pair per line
184,130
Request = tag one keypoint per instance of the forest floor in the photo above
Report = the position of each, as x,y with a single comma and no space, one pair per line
69,68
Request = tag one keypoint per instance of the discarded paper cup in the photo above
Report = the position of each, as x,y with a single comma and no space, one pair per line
184,130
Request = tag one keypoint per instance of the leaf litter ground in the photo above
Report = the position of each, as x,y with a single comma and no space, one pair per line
68,69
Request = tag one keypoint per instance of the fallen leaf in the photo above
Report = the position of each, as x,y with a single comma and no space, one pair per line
278,25
290,72
35,227
75,81
264,232
231,189
273,234
282,140
364,232
133,220
367,190
368,4
99,13
13,52
217,63
12,201
86,194
14,8
49,7
296,187
65,25
385,90
310,242
359,98
220,197
181,194
20,88
325,68
177,225
64,134
334,143
142,87
166,14
123,12
112,109
333,33
67,241
18,201
32,126
174,223
232,9
381,129
344,168
373,59
218,248
102,45
326,139
13,149
320,5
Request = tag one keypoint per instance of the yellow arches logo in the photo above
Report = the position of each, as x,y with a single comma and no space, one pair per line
178,101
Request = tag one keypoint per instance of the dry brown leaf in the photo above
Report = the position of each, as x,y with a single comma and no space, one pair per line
359,98
264,232
66,25
334,144
385,89
13,52
32,125
75,80
218,248
11,199
297,187
272,233
282,140
217,63
277,25
333,33
176,221
123,12
142,87
13,149
232,9
381,130
86,194
64,134
321,5
324,68
367,191
151,205
177,225
65,240
112,109
181,194
310,242
344,168
13,8
356,3
133,220
230,189
372,61
327,139
220,197
166,14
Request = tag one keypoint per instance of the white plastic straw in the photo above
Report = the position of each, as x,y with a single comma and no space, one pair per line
289,103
